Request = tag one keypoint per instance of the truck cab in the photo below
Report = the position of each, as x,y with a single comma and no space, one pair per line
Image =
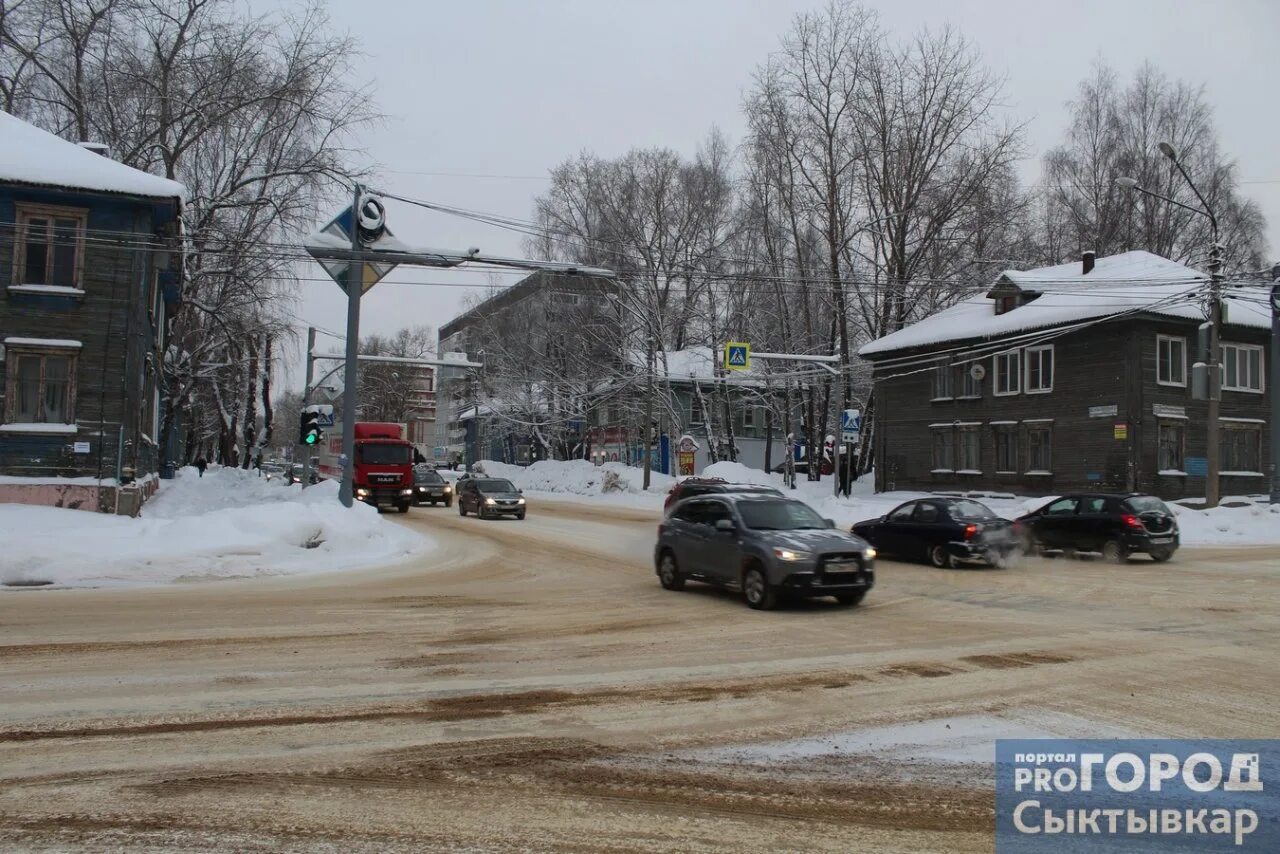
382,474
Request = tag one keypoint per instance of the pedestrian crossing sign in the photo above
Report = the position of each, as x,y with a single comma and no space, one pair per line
737,356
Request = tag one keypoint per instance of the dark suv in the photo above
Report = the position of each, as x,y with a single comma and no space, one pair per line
764,546
429,486
691,487
1115,525
489,497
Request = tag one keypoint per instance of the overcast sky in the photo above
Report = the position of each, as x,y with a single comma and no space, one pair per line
483,97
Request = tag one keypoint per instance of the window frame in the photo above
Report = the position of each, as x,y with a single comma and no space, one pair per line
965,436
1182,343
947,433
970,388
1255,433
1162,425
23,211
749,417
1015,373
15,353
944,381
1032,429
1239,350
1026,367
1010,431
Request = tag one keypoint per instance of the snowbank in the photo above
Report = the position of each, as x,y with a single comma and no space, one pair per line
579,477
228,524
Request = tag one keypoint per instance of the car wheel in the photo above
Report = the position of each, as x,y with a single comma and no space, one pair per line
462,509
669,573
520,515
1114,552
403,508
1161,555
940,557
757,590
448,502
851,599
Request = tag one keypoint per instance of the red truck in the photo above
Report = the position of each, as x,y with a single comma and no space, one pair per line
383,473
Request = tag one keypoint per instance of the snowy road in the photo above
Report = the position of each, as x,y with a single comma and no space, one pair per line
529,684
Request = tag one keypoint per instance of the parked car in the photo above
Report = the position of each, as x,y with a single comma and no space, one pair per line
489,497
766,546
692,487
295,474
272,471
430,488
1116,526
943,531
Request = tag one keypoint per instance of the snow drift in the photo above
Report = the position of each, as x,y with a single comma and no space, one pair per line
228,524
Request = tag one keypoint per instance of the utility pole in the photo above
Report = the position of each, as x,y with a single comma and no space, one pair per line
1274,427
306,401
651,368
355,288
1213,456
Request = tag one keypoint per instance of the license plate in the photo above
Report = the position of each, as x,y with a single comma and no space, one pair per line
1159,540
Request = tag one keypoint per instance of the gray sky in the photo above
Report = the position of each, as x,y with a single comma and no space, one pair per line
511,88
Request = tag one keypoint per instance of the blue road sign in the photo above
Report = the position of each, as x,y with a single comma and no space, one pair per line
737,356
340,228
851,425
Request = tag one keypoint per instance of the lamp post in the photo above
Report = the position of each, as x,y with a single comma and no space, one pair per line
1212,360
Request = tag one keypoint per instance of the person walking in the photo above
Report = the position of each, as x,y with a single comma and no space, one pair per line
201,464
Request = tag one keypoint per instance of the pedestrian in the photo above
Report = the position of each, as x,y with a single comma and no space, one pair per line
201,464
846,466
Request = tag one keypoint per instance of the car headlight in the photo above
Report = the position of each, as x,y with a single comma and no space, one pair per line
362,492
448,489
788,554
406,492
869,554
490,501
519,500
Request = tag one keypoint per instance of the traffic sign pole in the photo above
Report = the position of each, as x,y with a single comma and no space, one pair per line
355,286
306,399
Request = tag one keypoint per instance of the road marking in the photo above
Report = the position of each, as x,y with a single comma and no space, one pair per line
890,602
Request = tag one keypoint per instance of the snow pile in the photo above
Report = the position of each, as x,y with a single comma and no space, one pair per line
1255,525
578,477
228,524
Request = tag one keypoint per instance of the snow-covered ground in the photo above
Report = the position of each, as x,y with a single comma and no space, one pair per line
617,484
228,524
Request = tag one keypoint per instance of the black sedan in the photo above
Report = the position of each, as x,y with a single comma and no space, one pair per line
430,488
943,531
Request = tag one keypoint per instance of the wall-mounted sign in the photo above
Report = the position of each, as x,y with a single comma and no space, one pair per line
81,448
1103,411
1163,410
1121,430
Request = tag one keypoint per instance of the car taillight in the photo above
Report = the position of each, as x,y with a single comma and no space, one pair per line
1132,521
971,531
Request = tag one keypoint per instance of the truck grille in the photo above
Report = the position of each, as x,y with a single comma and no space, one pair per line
384,478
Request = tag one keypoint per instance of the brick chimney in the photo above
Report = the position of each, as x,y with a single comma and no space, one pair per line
1088,258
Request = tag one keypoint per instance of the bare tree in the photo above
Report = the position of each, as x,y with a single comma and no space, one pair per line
1115,132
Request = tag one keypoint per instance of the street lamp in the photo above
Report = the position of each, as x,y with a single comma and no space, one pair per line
1210,362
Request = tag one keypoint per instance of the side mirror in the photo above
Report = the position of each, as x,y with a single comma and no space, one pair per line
725,525
831,523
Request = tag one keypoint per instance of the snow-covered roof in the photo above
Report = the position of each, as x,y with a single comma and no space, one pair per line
1125,283
29,155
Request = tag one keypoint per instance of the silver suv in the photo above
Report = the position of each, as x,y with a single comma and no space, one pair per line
764,546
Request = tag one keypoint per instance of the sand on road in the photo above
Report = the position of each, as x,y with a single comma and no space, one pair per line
529,685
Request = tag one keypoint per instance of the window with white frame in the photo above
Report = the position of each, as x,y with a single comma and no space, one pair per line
943,381
944,457
1171,360
970,385
695,409
970,449
50,245
1039,369
1039,447
1240,447
1006,441
40,386
749,417
1242,367
1172,437
1007,373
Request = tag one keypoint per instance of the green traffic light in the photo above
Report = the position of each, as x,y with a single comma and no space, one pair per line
311,438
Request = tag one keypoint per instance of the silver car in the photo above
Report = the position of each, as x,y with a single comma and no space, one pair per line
764,546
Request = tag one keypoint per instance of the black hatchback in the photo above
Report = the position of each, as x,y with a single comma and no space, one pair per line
1116,526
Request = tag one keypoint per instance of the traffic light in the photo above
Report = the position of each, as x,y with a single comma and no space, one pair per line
309,432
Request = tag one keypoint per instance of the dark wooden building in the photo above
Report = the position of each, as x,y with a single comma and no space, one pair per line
89,260
1073,377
